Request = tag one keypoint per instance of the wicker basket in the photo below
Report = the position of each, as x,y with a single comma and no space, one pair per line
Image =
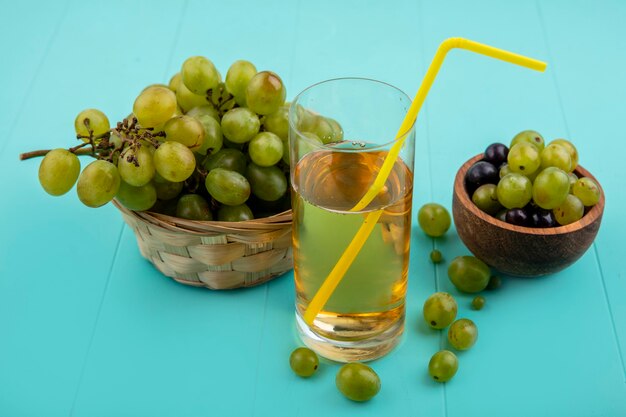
215,255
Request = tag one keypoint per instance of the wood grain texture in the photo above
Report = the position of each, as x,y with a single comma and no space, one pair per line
518,250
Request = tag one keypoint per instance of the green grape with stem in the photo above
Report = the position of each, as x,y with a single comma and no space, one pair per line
136,166
91,123
199,75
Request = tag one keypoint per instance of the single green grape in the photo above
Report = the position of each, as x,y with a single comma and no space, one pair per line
234,213
570,211
240,125
436,256
439,310
550,188
175,81
486,198
529,136
174,161
323,129
193,207
478,302
227,158
98,123
501,215
462,334
587,190
187,100
504,170
199,75
469,274
443,366
556,156
278,122
265,149
495,282
337,129
137,198
434,219
237,78
136,165
154,106
357,381
166,190
265,93
98,183
267,183
59,171
571,149
213,138
524,158
186,130
514,191
572,180
303,362
204,110
227,187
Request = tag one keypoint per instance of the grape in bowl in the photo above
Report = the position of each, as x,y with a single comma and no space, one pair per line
521,250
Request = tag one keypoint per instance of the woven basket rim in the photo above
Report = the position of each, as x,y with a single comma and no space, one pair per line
275,222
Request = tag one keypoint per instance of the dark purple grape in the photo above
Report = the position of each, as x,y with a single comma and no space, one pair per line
480,173
496,153
542,218
517,216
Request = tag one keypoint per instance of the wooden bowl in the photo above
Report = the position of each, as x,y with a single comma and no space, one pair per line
518,250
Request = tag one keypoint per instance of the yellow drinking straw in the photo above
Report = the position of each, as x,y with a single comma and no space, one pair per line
343,264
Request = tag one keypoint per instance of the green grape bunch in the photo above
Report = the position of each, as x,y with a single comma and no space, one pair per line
198,148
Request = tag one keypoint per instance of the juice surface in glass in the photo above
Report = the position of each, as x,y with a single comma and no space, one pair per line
364,316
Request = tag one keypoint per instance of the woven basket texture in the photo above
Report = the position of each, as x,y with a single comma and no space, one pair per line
215,255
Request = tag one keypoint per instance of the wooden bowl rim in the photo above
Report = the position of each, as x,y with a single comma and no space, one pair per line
590,217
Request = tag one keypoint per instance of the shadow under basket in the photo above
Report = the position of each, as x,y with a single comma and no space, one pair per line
215,255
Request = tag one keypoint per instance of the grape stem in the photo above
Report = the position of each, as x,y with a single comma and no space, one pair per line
44,152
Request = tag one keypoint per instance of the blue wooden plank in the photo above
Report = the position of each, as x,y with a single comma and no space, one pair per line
591,84
17,85
525,328
55,254
162,348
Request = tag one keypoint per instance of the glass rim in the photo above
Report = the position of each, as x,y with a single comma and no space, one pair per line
330,145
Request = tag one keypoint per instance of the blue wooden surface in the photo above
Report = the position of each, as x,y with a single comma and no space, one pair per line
89,328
